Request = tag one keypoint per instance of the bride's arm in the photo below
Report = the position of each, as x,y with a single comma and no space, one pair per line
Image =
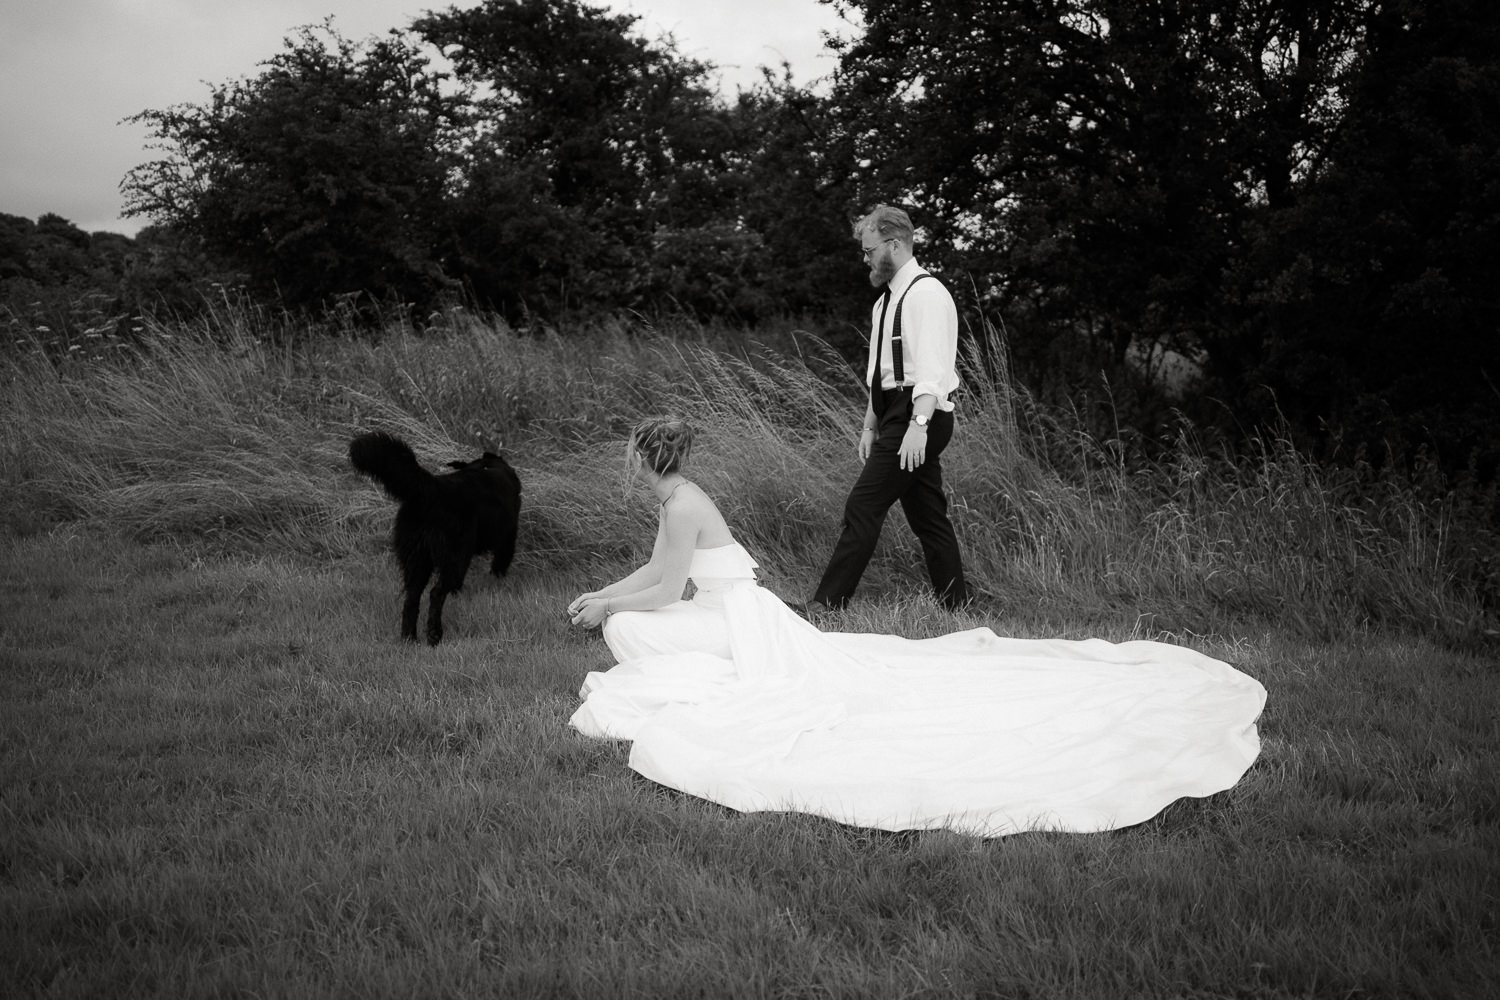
646,576
671,559
640,579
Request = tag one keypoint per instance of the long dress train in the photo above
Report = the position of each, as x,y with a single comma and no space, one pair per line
733,698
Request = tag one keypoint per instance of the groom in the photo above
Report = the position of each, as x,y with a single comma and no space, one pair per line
908,418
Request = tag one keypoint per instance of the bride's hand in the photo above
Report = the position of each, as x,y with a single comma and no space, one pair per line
590,611
577,603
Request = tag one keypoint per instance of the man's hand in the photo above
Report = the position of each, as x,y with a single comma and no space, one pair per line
866,442
913,447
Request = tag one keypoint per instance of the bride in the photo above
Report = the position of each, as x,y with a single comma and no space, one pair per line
733,698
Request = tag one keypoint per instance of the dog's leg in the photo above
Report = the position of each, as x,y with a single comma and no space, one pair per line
409,611
501,562
435,602
505,548
415,574
450,578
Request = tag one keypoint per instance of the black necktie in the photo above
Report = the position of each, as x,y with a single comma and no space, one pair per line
877,396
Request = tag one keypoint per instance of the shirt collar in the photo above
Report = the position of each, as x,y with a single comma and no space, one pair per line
904,277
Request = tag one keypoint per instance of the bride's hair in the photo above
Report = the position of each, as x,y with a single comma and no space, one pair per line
663,443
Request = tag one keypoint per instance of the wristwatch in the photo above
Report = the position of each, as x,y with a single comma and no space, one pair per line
921,420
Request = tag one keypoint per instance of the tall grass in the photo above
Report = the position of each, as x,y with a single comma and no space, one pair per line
220,775
235,433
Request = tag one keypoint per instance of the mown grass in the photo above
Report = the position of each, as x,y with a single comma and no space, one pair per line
220,774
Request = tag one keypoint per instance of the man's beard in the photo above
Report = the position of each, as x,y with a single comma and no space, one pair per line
882,268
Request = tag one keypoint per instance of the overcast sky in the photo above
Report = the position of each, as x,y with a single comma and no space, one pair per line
72,70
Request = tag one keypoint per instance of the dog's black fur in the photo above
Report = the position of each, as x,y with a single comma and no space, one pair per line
442,522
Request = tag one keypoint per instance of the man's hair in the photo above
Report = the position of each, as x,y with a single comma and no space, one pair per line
888,221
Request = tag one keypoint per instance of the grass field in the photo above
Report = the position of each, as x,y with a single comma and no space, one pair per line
220,775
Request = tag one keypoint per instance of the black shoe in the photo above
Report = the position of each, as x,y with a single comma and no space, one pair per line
953,605
975,601
809,609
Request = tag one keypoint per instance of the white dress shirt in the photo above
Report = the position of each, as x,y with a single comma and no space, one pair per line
929,337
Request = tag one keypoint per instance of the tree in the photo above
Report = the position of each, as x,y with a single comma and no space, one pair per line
794,161
1377,302
596,145
1093,164
576,165
327,174
59,284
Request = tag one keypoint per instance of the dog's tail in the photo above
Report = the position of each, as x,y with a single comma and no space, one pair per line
389,461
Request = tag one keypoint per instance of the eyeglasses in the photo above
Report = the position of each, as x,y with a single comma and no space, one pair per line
866,251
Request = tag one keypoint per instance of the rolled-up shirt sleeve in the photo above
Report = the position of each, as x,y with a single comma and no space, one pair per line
929,326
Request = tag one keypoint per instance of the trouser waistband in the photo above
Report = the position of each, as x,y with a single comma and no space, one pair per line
894,397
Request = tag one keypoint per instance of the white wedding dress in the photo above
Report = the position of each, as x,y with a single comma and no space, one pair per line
734,698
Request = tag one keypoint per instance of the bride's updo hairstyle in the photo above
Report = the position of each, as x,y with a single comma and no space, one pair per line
663,443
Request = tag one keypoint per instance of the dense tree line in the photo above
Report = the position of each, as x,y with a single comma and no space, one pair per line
1300,199
1300,196
65,288
565,164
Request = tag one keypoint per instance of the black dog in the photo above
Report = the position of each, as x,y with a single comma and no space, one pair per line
443,521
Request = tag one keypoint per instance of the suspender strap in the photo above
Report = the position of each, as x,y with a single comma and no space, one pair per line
896,331
877,405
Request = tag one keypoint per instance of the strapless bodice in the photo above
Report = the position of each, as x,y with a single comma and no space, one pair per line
722,562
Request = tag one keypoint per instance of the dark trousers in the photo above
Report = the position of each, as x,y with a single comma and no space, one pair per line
881,483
